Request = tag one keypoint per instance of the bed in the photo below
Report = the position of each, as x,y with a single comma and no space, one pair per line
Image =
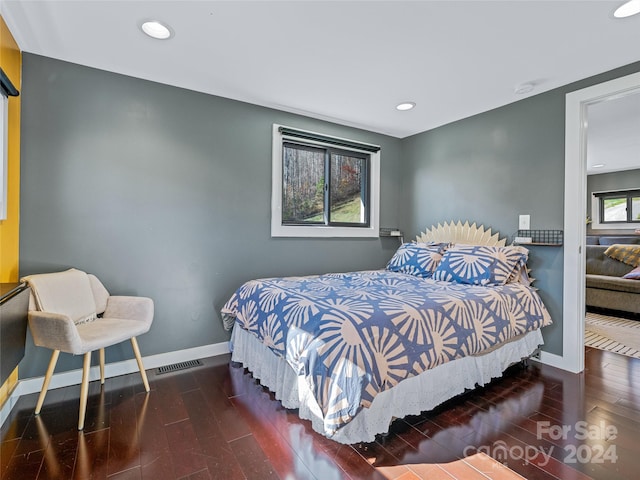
352,351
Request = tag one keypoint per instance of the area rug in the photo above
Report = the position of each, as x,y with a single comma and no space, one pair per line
614,334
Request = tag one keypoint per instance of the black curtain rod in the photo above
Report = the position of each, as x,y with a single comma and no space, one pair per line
7,88
291,132
617,193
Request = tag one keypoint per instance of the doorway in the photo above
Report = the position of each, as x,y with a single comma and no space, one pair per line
575,198
613,214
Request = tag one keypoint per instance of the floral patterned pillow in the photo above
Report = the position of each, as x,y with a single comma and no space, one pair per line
418,259
480,265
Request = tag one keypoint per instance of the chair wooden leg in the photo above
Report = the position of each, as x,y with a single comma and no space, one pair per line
84,389
47,379
102,366
143,374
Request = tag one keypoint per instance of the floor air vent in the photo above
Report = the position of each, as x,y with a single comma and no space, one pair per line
178,366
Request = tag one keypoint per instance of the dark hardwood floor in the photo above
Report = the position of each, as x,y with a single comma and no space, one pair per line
215,421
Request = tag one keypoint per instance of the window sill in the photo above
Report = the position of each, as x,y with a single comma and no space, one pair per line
614,226
323,232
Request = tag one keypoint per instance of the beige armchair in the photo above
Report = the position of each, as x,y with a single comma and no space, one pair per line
72,312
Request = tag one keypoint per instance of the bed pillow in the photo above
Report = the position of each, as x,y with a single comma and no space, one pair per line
520,275
633,274
480,265
418,259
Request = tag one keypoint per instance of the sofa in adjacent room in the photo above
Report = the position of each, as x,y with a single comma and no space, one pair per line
605,287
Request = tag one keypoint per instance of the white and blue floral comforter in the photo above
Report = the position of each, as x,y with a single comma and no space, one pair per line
354,335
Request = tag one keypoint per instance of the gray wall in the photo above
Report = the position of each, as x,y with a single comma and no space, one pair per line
612,181
493,166
166,193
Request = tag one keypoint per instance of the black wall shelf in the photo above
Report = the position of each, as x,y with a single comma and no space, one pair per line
554,238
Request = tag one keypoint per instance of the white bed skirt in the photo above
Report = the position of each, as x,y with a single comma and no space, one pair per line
410,397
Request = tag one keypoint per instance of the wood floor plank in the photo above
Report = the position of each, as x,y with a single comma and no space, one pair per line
185,450
91,460
60,456
154,446
221,462
7,448
217,421
124,446
24,466
171,405
252,459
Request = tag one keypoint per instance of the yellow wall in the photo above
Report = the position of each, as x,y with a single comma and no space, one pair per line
11,63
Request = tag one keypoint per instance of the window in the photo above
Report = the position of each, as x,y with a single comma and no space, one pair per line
323,186
619,207
6,90
4,144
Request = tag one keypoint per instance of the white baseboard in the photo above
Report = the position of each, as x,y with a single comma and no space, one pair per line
9,404
553,360
73,377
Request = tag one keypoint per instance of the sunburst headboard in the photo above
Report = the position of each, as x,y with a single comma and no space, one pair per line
452,232
461,233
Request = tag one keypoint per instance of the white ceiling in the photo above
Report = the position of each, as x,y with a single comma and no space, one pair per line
613,134
349,62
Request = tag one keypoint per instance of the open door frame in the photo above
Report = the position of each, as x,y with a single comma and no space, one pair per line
575,206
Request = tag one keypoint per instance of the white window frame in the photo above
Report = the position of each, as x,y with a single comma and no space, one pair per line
4,155
596,223
324,231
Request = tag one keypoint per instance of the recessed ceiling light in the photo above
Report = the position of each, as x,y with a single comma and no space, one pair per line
156,30
404,106
523,88
627,9
597,165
